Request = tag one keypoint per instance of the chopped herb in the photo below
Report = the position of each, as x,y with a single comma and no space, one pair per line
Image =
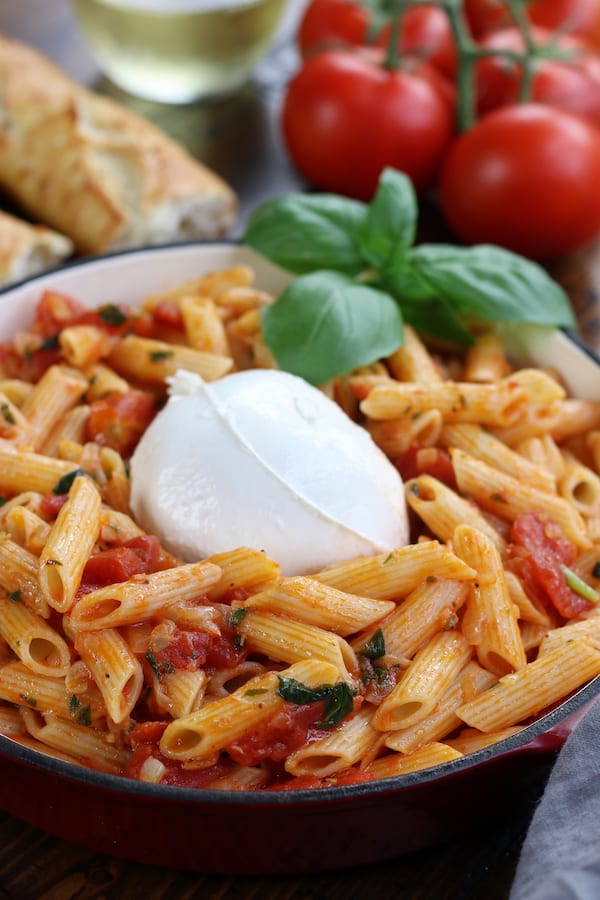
81,714
7,413
237,616
3,500
239,641
388,558
595,570
159,355
30,701
337,698
255,692
112,315
159,670
498,498
63,485
53,562
50,343
414,488
375,647
580,586
16,596
431,579
84,716
451,622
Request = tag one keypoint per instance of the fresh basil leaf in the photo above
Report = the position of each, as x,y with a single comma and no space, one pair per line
325,324
489,284
436,319
375,648
304,232
63,485
390,225
338,698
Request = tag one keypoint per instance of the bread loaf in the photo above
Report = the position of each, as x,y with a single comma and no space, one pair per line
86,166
28,249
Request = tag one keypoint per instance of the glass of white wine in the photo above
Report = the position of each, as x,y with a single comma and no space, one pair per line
178,51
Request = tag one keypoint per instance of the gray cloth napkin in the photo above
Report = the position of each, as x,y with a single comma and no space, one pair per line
560,858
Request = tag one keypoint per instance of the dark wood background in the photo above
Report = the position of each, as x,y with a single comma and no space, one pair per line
239,137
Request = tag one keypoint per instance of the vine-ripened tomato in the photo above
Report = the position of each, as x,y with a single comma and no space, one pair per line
573,85
426,31
524,177
576,17
345,118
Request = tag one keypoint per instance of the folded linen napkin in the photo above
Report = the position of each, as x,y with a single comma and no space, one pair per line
560,858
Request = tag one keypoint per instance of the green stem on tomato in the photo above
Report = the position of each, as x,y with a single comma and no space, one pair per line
467,55
528,58
392,57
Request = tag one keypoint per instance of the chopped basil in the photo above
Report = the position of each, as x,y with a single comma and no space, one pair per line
375,647
112,315
580,586
237,616
159,355
16,596
63,485
30,701
7,413
388,558
255,692
50,343
3,500
81,714
159,670
53,562
337,698
451,622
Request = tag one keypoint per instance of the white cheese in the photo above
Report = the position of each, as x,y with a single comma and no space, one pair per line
262,459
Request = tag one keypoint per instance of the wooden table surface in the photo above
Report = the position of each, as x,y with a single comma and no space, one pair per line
239,137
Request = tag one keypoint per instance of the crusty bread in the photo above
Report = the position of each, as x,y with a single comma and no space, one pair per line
95,171
28,249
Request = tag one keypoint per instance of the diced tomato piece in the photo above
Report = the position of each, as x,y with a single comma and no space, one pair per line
167,312
426,461
146,733
119,420
29,367
137,556
186,650
52,504
542,543
225,652
54,310
198,778
275,739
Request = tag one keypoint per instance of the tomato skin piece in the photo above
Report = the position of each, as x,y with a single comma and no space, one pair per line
140,555
275,739
187,650
573,85
426,32
119,420
426,461
345,118
546,549
521,178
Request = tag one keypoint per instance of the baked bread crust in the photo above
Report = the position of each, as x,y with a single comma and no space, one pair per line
95,171
28,249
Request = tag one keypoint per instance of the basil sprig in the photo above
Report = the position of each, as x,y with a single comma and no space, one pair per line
360,277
